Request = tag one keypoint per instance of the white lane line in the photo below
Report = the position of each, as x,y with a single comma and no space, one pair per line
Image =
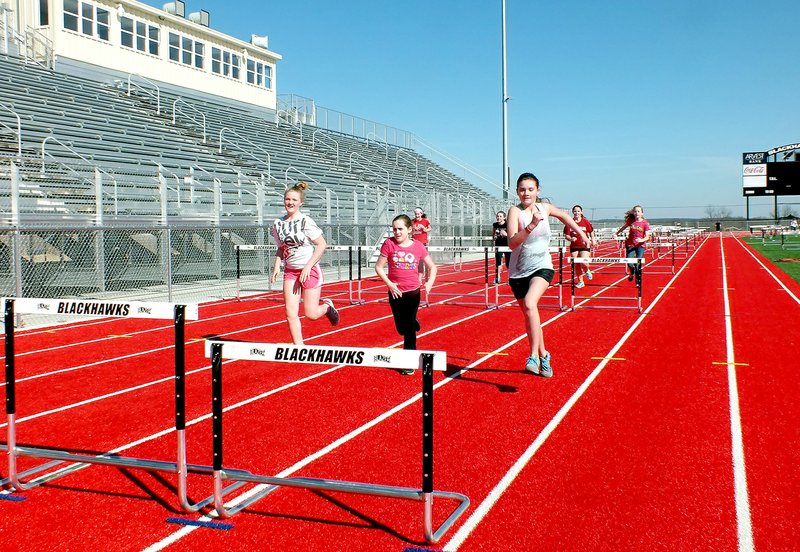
491,499
743,521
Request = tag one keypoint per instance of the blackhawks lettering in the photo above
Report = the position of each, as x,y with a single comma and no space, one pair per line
328,356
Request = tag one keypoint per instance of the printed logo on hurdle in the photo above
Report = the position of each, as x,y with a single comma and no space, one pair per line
426,361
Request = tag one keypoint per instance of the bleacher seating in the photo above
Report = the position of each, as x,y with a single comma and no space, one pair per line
72,126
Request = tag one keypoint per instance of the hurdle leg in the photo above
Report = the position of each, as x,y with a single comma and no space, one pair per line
14,477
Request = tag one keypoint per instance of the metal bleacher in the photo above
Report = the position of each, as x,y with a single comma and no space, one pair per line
104,186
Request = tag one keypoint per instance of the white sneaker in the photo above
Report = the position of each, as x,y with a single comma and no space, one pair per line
579,285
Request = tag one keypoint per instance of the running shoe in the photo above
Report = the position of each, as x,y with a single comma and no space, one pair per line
589,274
532,364
497,280
547,370
331,314
417,326
579,285
630,277
406,372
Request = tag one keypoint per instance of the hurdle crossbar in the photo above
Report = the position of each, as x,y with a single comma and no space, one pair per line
426,361
606,260
558,286
109,309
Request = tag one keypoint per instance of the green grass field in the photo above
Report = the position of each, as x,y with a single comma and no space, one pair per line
775,252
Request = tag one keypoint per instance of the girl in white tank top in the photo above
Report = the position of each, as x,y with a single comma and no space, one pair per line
531,267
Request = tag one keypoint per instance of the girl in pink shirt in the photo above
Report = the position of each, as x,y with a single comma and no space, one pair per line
404,256
638,236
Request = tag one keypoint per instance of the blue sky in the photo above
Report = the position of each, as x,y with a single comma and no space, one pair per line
612,102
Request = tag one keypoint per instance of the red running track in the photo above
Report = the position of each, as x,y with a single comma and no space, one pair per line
630,446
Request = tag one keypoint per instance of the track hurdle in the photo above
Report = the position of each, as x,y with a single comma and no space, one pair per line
457,253
353,295
656,254
106,309
606,260
240,262
426,361
558,286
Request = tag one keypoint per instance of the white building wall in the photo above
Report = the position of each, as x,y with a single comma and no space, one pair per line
111,54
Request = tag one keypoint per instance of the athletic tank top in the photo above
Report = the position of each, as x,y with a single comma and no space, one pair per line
534,253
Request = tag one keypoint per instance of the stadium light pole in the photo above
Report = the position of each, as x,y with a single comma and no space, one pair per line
505,105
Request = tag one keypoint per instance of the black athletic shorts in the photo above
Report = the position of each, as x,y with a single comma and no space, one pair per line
519,286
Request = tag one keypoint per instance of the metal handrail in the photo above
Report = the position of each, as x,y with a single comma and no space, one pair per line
239,188
447,178
459,163
335,143
43,171
379,142
158,90
175,176
19,129
256,146
312,179
174,114
298,124
367,168
416,160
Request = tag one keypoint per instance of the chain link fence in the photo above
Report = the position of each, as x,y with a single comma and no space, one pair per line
173,263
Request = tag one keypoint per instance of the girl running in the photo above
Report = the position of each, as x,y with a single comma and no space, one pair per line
404,257
300,247
500,237
638,236
578,247
531,269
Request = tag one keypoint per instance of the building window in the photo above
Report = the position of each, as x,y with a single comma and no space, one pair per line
71,15
44,13
153,39
259,74
235,63
82,17
267,76
139,35
185,50
87,19
126,32
224,63
174,47
252,75
198,55
102,24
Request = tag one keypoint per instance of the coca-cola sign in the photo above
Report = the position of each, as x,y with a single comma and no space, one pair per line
754,170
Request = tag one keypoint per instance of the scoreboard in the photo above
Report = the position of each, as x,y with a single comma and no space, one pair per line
772,173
